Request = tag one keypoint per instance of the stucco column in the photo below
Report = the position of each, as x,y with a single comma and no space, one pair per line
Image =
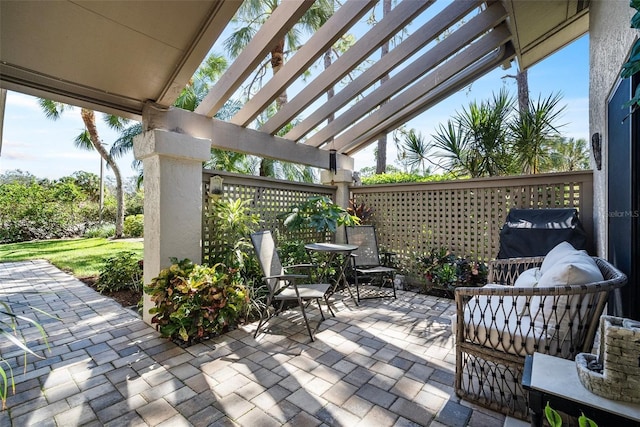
172,200
343,178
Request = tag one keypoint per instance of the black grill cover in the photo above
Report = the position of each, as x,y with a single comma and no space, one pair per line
534,232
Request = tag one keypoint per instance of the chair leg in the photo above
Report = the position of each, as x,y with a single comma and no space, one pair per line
306,321
320,308
326,300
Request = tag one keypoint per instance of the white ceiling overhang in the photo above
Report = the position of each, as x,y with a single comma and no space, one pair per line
118,56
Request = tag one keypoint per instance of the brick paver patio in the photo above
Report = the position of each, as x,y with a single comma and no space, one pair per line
385,363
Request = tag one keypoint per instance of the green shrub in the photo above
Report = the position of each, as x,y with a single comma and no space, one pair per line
193,302
134,225
398,177
104,231
445,271
121,271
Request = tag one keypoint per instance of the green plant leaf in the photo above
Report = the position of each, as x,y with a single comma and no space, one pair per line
553,417
635,4
583,421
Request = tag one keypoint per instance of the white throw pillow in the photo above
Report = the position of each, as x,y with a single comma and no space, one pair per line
574,269
556,254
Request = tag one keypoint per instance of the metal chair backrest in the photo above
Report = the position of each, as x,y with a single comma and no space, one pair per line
364,236
265,249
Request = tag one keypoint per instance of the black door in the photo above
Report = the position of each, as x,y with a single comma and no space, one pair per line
623,210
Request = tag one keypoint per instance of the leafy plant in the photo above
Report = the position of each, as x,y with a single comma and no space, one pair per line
134,225
555,420
632,66
121,271
318,213
447,271
233,223
104,231
194,301
12,330
360,210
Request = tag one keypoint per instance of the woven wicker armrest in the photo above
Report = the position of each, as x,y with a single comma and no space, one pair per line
506,271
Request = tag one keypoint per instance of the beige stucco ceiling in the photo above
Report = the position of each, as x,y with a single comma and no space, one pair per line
108,55
541,27
114,56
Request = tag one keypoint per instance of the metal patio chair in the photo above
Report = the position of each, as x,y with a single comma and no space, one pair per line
368,267
283,286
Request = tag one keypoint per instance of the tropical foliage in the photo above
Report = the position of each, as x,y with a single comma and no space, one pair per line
317,213
13,329
122,270
474,142
32,208
445,271
89,139
632,66
194,302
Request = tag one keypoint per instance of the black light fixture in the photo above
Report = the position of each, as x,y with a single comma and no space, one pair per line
333,154
596,148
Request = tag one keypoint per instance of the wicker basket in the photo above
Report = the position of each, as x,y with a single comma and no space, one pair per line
619,359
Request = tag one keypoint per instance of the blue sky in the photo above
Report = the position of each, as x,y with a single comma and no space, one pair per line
33,143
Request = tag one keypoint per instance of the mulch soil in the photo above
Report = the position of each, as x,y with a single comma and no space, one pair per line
126,298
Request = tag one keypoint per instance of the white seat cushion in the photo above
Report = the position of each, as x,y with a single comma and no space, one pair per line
500,327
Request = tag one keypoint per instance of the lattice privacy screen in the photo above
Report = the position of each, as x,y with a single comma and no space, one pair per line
268,198
466,216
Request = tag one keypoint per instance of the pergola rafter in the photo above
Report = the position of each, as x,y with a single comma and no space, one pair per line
384,30
317,45
283,18
453,43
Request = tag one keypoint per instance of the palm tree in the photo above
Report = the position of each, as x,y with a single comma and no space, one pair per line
89,139
415,151
533,130
568,155
381,158
474,142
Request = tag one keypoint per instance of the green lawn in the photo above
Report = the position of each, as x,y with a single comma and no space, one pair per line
80,257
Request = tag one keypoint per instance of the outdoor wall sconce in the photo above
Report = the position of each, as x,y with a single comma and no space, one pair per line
333,154
215,186
596,148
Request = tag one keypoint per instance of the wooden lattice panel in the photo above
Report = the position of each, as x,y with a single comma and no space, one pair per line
268,198
466,216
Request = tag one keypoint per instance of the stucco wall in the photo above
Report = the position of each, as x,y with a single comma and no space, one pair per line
610,40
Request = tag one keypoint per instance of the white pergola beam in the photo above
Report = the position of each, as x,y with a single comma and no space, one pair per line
505,53
231,137
192,58
339,23
283,18
384,30
453,43
424,35
466,58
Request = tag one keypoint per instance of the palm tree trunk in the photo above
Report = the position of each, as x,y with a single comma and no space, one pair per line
277,61
381,159
89,119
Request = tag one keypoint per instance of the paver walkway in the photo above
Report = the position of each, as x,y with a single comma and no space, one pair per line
385,363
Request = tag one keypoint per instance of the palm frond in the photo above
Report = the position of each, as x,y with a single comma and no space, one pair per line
83,141
52,109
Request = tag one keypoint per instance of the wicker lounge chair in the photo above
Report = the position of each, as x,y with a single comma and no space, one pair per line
497,326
